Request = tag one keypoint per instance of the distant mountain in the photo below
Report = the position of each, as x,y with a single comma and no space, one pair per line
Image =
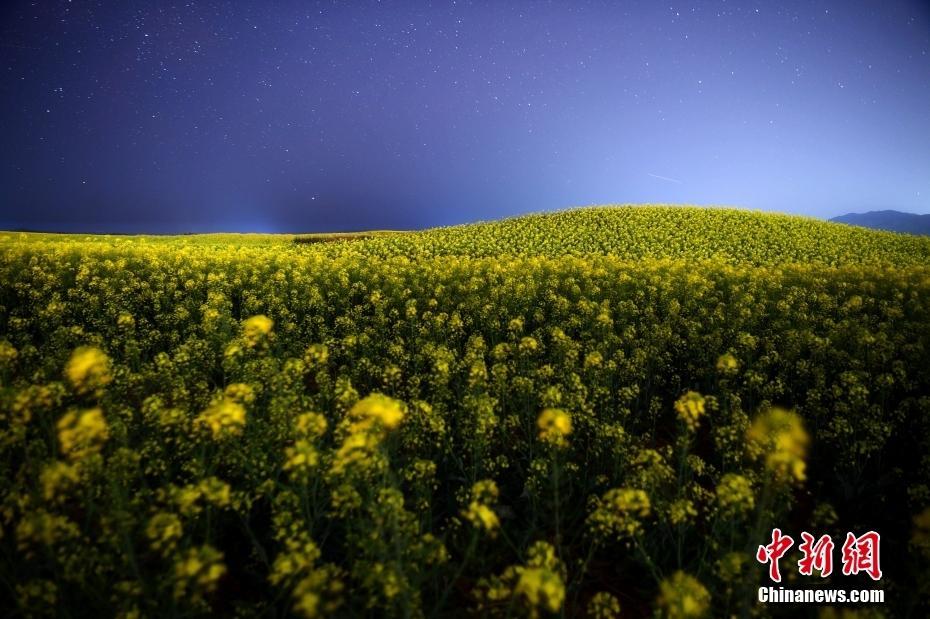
896,221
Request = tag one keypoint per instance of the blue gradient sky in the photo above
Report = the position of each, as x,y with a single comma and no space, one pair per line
300,116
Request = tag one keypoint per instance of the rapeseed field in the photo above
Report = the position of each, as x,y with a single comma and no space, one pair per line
600,412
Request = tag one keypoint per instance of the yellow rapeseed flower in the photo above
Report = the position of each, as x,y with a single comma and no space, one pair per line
778,437
356,453
734,495
319,594
164,529
187,499
215,491
240,393
479,511
690,409
554,425
683,597
541,589
485,491
311,425
223,419
297,558
88,370
256,329
730,565
727,364
681,511
482,516
125,320
619,513
197,572
604,606
8,353
528,345
301,458
316,355
81,433
379,408
538,585
56,478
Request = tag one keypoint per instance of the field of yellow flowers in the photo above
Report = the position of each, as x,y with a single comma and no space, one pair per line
600,412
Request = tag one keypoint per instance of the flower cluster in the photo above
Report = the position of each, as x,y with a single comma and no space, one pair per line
734,495
82,433
727,364
682,596
365,427
690,409
603,605
224,419
619,513
197,573
538,585
480,510
88,370
256,330
779,438
554,425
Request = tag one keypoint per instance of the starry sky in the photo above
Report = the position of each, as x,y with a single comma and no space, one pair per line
286,115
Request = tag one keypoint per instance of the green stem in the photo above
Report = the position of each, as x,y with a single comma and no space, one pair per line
555,483
649,562
445,594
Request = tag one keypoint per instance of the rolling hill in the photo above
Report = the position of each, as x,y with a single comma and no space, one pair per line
735,236
895,221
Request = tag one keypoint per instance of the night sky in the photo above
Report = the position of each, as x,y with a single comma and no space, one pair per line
315,116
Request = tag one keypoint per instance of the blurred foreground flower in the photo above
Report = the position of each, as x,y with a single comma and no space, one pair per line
554,425
256,329
480,511
379,408
197,572
538,586
778,436
88,370
683,597
223,419
82,433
